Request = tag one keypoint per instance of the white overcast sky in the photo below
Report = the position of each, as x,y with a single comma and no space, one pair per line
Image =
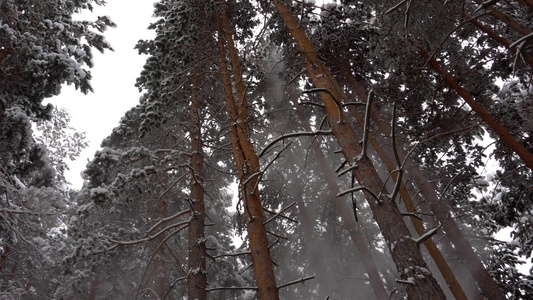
114,75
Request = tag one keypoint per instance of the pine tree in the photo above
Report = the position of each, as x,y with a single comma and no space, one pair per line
41,48
354,132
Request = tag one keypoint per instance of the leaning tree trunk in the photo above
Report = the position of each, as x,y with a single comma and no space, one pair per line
386,157
494,35
509,21
439,209
419,282
505,136
247,164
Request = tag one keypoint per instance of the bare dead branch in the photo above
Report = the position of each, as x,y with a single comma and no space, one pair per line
398,183
254,175
274,243
337,102
291,135
421,239
31,213
392,293
231,254
343,163
409,214
281,216
171,186
356,189
172,285
301,280
279,237
311,103
268,165
231,288
350,168
520,45
395,7
354,104
279,213
366,126
486,4
405,281
521,40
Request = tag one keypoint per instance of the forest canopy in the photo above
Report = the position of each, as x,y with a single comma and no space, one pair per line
279,149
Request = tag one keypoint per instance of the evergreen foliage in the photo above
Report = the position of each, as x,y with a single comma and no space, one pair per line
276,110
41,48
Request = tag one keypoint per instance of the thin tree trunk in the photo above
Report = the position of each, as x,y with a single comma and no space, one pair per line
323,272
459,263
419,282
247,164
197,280
347,218
161,280
93,292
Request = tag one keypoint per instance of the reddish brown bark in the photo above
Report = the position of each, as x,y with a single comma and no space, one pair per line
459,264
506,19
405,252
504,134
247,164
528,2
439,209
464,248
495,36
435,253
197,280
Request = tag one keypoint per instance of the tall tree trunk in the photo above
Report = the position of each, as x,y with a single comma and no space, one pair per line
378,146
419,283
505,136
197,281
493,35
247,164
506,19
441,211
459,263
344,212
93,291
161,279
323,272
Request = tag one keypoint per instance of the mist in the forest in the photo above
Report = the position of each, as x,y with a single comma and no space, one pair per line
348,132
317,242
